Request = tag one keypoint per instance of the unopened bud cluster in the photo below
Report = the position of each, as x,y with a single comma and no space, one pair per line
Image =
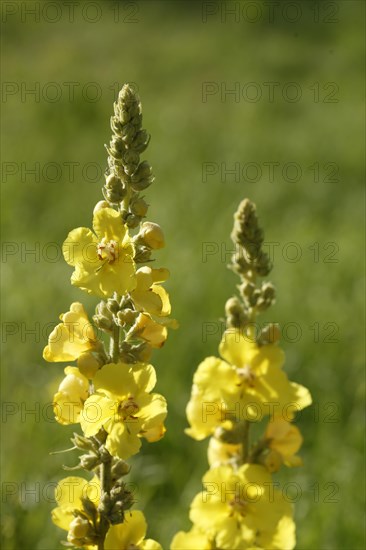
127,176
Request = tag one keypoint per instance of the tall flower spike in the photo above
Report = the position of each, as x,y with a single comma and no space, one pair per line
236,510
109,390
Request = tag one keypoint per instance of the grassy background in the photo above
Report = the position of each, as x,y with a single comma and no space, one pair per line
171,53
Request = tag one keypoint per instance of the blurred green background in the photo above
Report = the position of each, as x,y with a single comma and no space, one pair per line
184,58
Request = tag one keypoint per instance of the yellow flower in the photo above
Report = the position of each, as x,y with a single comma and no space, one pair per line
260,376
285,439
246,384
124,407
130,534
214,386
68,494
153,332
240,508
192,539
220,452
103,260
150,296
72,393
74,336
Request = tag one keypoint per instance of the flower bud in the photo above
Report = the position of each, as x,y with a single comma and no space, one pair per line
103,317
126,317
272,460
132,221
152,234
120,468
99,206
270,334
128,133
142,254
235,316
88,364
139,207
82,442
117,147
113,305
78,529
141,141
114,189
89,462
131,157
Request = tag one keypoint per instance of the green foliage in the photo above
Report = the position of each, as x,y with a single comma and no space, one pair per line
170,53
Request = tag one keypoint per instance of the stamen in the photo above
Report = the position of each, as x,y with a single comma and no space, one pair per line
247,375
107,250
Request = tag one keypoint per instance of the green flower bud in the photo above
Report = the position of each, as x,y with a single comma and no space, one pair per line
141,141
270,334
132,221
117,146
103,318
89,462
113,305
142,177
128,133
131,157
143,171
142,254
89,507
120,468
82,442
235,315
126,317
139,207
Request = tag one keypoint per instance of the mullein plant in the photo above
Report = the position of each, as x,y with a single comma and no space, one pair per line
245,403
109,391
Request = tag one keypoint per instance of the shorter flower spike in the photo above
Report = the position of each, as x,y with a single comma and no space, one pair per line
248,236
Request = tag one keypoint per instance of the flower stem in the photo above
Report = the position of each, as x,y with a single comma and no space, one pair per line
105,482
114,351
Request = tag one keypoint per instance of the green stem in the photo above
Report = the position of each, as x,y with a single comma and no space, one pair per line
105,482
114,351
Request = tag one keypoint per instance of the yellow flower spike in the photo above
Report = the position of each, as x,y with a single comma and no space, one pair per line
192,539
238,508
149,296
68,402
74,336
130,534
285,439
103,260
124,407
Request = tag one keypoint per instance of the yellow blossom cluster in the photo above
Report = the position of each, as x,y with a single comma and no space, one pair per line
108,390
240,506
